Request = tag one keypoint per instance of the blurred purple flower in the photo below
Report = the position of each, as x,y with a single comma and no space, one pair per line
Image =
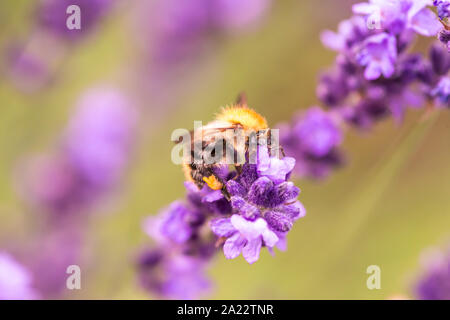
313,139
434,283
397,16
378,55
52,253
52,16
15,280
440,60
180,28
93,155
317,132
238,13
60,194
100,135
444,37
173,223
207,200
350,32
374,76
27,70
172,276
442,92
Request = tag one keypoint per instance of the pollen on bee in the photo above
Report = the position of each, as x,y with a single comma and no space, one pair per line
212,182
247,117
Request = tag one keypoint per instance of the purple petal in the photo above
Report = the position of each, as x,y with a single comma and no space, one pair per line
270,238
175,225
249,229
282,242
364,8
372,72
233,246
332,40
251,250
248,175
261,191
425,23
279,221
278,169
286,191
244,208
222,227
213,196
235,188
295,210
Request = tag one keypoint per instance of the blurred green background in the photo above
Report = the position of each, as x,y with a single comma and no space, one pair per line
388,204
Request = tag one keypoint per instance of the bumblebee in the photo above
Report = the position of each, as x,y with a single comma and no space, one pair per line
214,137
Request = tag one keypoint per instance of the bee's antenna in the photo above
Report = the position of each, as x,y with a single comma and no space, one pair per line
242,99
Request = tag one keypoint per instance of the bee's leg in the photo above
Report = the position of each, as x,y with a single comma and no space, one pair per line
279,148
225,193
282,151
238,168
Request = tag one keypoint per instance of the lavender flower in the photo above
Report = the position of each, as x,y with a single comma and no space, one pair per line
15,280
444,37
264,204
99,137
34,63
256,208
49,255
238,14
26,69
443,8
52,16
397,16
378,55
434,283
374,76
61,194
350,32
176,223
244,236
92,157
362,95
313,140
181,29
442,92
172,276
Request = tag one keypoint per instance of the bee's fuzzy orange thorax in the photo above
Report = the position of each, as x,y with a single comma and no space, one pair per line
247,117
